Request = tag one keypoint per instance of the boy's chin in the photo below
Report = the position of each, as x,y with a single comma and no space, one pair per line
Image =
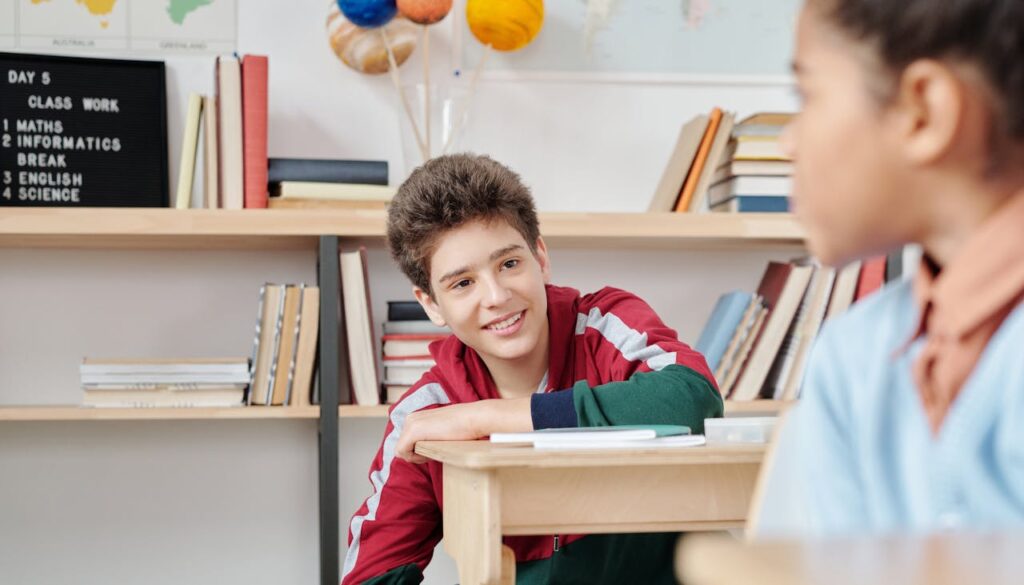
510,351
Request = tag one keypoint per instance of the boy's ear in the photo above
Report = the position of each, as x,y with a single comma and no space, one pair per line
428,304
932,110
543,259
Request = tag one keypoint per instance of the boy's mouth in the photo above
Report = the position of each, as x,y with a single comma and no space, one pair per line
507,323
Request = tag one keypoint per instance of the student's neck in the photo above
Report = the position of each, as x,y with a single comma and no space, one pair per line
520,378
958,212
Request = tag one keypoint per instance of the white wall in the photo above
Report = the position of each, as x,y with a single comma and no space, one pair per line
235,501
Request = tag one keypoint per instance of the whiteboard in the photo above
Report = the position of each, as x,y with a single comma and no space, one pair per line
647,40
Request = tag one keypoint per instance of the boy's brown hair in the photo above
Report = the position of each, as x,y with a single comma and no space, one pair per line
447,192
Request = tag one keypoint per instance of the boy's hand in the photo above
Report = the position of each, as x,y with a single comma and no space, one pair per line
463,422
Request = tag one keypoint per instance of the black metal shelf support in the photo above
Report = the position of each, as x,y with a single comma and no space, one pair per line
333,388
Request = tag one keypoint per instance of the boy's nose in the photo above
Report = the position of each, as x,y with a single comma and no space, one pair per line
496,294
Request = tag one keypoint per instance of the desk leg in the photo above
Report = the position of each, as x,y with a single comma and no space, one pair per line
472,527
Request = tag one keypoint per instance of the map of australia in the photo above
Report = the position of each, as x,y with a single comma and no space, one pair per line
101,8
195,26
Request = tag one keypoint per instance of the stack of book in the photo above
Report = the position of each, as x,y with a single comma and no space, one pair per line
347,184
164,383
719,164
284,345
232,127
757,343
754,174
408,333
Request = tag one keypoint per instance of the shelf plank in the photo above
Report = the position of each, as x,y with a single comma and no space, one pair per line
749,407
78,413
181,229
671,230
148,228
354,411
74,413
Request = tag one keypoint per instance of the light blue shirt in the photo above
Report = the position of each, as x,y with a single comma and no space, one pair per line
857,455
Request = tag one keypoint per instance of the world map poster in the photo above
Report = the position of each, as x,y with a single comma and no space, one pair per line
70,26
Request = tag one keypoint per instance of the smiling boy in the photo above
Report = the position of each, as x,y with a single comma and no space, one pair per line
525,355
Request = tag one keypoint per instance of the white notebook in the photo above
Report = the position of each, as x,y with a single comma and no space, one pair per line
656,443
576,435
601,437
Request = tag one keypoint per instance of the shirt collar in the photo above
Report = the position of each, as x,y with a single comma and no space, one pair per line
985,275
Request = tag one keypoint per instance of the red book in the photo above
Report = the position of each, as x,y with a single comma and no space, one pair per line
254,129
872,276
413,336
404,358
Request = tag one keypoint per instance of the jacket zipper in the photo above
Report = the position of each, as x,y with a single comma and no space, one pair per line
556,543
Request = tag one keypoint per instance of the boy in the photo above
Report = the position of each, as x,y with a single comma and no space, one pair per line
912,130
525,355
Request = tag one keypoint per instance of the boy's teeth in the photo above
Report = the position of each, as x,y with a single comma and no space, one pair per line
507,322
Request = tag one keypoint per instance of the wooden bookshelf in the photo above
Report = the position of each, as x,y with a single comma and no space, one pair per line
670,230
143,228
752,407
77,413
353,411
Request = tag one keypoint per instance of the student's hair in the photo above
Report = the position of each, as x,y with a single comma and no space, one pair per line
986,34
447,192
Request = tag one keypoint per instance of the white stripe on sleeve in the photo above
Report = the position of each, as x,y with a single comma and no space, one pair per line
424,396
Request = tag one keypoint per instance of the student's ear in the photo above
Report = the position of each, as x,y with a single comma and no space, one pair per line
429,305
931,108
545,261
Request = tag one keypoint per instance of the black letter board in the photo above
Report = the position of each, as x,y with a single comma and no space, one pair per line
78,132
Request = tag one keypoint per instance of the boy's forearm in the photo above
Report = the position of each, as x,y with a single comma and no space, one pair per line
673,395
504,415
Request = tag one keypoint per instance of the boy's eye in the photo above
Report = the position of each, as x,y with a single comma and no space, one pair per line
510,263
461,284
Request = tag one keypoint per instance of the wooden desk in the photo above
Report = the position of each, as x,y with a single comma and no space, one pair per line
949,559
491,490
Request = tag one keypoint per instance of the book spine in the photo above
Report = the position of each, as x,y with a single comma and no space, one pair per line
690,185
753,204
406,311
229,133
365,172
189,146
276,348
211,184
371,328
254,129
295,346
872,276
256,342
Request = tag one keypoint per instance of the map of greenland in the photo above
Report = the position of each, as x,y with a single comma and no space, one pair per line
177,10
